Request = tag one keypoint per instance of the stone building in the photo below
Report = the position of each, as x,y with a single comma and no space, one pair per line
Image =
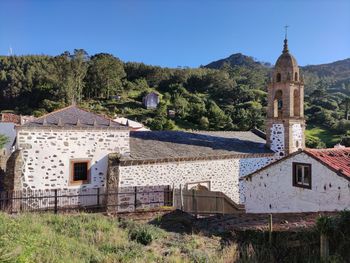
311,180
67,148
213,160
75,149
285,123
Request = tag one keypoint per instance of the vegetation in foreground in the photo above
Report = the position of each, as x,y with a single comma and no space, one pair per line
97,238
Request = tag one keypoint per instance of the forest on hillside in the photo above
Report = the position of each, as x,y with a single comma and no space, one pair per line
227,95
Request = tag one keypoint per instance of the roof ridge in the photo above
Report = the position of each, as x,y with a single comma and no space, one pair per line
97,114
79,108
47,114
327,149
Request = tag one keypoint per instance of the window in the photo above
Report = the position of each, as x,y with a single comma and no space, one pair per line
302,175
278,77
80,172
296,76
278,104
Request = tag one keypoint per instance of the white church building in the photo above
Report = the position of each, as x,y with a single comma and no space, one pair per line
74,149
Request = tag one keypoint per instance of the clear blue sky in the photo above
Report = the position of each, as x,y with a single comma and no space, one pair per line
178,32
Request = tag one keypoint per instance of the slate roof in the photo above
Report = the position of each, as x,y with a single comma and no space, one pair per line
146,145
74,116
338,159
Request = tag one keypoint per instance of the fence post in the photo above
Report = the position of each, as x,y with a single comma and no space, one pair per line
194,203
135,197
56,201
181,198
270,229
324,247
173,197
98,196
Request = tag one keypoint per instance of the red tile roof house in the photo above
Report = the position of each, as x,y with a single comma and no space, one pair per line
312,180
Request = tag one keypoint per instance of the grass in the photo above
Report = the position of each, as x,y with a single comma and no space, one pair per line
26,238
328,137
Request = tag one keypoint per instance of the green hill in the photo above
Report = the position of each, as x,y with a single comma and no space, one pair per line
228,94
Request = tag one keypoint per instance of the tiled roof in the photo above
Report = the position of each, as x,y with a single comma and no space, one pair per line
73,116
337,159
10,117
145,145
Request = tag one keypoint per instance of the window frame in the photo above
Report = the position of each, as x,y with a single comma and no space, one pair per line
295,182
71,174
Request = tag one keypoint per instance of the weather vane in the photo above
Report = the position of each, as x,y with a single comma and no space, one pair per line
286,31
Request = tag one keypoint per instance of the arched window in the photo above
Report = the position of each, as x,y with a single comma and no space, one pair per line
296,76
278,77
278,104
296,103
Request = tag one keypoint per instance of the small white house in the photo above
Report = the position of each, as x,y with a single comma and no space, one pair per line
312,180
151,100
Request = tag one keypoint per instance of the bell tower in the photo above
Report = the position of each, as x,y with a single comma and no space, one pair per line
285,125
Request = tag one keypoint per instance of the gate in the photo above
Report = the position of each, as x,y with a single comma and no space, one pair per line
206,202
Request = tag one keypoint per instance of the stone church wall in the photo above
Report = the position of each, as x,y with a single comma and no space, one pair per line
271,190
220,174
277,138
47,154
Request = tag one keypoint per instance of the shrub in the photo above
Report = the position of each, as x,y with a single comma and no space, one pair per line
141,235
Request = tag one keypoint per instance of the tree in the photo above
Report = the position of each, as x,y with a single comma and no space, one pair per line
79,69
104,76
3,140
204,123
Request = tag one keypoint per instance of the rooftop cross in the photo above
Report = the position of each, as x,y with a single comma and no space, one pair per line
285,46
285,31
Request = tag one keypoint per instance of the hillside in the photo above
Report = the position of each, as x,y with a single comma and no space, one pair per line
237,59
228,94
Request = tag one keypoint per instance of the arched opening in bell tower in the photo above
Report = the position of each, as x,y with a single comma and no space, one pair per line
296,103
278,104
278,77
296,76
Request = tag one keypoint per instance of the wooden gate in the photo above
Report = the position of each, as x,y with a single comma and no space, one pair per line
208,202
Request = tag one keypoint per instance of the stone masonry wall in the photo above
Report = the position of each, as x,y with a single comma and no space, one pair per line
47,154
223,174
277,138
271,190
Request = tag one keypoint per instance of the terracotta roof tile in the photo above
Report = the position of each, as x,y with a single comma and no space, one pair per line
10,117
337,159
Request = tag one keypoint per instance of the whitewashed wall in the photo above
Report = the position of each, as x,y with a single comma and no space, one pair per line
297,132
272,190
223,175
47,154
248,166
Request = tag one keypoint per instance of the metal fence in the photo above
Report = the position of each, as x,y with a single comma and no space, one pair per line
126,199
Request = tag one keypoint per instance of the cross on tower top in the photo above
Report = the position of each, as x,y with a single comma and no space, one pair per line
285,31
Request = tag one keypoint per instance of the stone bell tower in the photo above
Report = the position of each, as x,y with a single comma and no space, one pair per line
285,123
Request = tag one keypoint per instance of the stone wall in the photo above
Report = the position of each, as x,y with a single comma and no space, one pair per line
222,174
47,154
277,138
271,190
298,134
